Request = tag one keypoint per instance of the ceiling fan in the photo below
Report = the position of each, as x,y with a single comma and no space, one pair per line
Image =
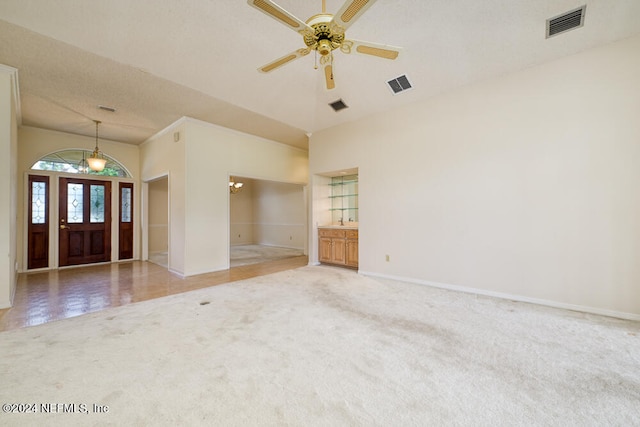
324,33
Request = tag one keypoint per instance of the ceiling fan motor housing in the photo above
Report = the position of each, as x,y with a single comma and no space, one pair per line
326,37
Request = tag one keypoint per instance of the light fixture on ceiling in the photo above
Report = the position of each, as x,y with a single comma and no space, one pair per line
83,166
324,33
234,186
96,160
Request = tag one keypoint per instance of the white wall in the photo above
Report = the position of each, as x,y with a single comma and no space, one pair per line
280,215
8,184
163,156
523,185
269,213
34,144
199,167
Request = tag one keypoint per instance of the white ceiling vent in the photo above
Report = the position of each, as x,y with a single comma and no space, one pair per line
566,21
338,105
399,84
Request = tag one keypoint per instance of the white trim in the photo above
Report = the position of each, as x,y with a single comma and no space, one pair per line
176,272
185,119
519,298
15,86
205,271
166,130
144,218
238,132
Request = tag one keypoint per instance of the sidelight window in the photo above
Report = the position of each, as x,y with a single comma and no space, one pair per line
126,204
38,202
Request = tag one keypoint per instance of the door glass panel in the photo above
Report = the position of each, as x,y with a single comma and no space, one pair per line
74,203
38,202
126,204
97,203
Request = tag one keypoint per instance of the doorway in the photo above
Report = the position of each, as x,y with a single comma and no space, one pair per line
267,221
158,220
85,221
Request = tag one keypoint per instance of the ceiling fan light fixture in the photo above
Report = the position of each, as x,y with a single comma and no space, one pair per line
324,47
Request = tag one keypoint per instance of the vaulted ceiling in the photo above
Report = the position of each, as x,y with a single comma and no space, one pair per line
155,61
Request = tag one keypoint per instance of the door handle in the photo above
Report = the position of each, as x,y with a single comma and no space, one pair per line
62,227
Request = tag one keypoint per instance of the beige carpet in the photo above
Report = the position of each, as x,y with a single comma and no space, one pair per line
321,346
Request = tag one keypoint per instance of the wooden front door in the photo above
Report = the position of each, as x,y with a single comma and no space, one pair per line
85,221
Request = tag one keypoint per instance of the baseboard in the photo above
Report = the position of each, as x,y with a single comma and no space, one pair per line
519,298
198,272
176,272
279,246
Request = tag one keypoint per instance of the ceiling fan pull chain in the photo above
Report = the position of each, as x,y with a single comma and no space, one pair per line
315,65
331,59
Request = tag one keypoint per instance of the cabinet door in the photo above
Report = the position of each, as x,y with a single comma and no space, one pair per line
324,249
338,250
352,253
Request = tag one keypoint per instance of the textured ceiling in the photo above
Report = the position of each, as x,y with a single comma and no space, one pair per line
158,60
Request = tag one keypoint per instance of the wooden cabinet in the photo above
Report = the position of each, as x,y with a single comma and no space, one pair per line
351,250
339,247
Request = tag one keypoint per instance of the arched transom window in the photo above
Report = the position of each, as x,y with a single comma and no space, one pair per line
69,161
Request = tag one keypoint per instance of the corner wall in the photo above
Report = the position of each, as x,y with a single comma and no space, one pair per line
164,155
8,183
212,154
199,166
524,185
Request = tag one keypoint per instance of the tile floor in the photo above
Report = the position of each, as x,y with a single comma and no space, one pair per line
58,294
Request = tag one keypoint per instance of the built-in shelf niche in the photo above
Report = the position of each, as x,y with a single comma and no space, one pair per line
344,199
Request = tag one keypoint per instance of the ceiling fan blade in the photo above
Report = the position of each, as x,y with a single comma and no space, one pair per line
279,14
328,76
350,11
284,60
367,48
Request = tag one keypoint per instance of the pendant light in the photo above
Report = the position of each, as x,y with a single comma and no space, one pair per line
96,160
83,166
